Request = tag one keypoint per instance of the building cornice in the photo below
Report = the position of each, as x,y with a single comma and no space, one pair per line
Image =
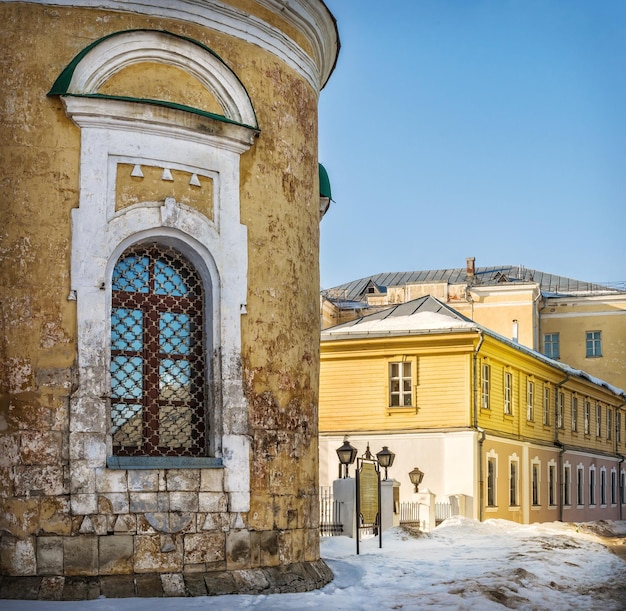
310,17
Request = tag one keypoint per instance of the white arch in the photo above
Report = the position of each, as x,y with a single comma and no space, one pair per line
116,52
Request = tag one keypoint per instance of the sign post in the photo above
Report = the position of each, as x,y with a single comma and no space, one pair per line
368,506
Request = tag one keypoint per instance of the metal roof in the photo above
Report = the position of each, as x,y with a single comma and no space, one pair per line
483,276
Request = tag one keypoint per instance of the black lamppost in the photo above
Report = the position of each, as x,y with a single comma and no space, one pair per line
347,455
385,458
416,476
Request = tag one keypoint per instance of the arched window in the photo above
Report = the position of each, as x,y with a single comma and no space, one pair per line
158,375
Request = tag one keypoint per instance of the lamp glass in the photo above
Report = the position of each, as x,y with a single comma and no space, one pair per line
385,457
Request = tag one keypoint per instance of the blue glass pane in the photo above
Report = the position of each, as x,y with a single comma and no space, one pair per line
126,329
174,337
167,280
131,274
126,377
174,380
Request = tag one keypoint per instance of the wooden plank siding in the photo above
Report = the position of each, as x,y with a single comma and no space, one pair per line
354,386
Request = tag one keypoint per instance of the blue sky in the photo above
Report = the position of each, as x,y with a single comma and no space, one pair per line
486,128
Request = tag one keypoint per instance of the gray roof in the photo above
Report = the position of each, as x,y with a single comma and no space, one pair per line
362,327
483,276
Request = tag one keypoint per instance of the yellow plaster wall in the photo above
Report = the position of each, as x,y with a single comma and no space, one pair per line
279,205
571,319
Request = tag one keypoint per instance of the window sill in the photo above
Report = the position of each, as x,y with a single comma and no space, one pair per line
404,409
164,462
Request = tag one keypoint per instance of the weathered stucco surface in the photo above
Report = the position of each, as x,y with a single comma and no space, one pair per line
154,520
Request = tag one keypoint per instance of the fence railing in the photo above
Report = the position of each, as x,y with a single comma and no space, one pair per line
330,514
410,514
442,512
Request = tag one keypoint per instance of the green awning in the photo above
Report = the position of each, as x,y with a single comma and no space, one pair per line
324,182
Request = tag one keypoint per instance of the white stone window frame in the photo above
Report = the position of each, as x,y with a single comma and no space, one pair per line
514,485
491,458
535,483
567,484
114,131
552,484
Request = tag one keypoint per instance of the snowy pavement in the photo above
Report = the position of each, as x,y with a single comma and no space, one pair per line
462,564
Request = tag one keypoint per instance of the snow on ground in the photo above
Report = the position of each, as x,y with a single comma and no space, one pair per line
462,564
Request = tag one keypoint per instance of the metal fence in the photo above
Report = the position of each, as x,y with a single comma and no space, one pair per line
410,514
330,514
442,512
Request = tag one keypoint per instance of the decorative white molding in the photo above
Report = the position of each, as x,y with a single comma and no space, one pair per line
310,17
115,132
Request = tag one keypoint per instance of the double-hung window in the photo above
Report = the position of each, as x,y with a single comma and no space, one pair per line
400,384
587,416
530,400
575,414
158,377
508,393
598,420
559,410
551,345
485,381
593,343
546,404
609,423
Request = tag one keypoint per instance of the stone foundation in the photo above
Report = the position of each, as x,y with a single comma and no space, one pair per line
299,577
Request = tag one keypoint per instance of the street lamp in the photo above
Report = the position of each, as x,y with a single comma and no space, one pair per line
385,458
416,476
347,455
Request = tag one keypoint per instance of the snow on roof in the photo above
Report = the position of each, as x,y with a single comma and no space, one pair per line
419,321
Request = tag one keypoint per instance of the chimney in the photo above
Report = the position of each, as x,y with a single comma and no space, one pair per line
470,268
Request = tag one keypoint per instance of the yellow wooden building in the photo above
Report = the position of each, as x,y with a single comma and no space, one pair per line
514,434
581,323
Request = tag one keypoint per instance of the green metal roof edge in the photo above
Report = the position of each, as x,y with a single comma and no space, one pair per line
164,103
324,182
64,79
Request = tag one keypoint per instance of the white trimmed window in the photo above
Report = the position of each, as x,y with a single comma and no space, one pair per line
551,345
587,416
575,414
567,484
508,393
535,482
592,485
485,386
492,474
400,384
530,400
546,404
559,410
598,420
552,484
609,423
580,483
603,486
593,344
514,482
613,486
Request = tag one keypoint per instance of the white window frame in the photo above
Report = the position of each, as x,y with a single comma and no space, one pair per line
613,486
580,486
587,416
603,486
508,393
546,405
530,400
535,483
567,485
491,481
552,484
560,398
552,340
514,474
485,381
404,397
598,420
592,486
216,246
574,414
593,344
609,423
